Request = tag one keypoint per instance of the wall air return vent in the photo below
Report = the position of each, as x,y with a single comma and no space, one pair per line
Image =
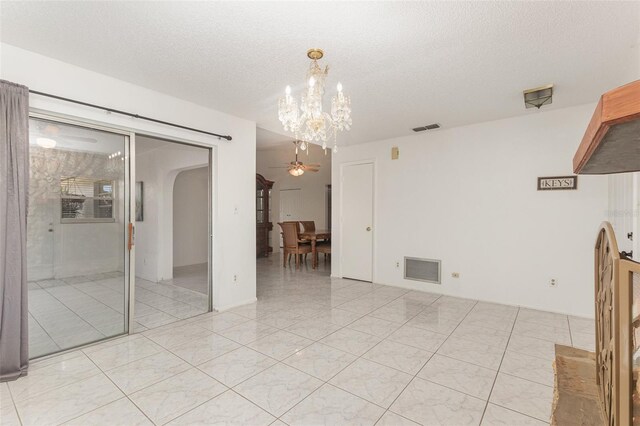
427,270
427,127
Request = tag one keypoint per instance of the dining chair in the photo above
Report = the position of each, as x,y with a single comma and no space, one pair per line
293,245
296,223
308,225
324,248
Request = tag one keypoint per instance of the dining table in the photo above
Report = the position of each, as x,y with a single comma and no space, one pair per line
314,236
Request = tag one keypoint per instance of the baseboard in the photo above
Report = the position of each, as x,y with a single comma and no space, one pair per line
235,305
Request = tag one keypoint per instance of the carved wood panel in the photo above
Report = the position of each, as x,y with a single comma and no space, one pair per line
615,341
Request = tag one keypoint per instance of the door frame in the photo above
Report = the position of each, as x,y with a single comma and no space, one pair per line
374,185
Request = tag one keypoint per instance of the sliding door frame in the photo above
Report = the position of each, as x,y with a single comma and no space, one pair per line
130,174
210,204
129,231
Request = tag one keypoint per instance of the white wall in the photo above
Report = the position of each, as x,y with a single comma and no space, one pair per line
313,186
158,169
234,168
190,217
468,196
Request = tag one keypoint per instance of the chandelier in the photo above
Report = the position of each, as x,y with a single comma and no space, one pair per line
310,123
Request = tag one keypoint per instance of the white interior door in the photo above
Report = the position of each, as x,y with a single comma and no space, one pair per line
290,206
356,258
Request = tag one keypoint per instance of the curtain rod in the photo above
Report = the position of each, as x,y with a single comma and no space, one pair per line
227,137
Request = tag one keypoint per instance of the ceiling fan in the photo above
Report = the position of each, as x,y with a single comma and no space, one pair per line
297,168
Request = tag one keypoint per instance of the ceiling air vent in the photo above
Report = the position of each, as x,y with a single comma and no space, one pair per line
427,270
427,127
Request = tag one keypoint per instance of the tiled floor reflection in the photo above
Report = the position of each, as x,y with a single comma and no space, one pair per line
313,350
192,277
65,313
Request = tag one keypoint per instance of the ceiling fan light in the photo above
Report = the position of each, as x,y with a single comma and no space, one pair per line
296,172
46,142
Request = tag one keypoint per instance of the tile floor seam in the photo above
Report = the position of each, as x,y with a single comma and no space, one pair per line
522,414
75,313
13,401
244,380
62,386
324,382
211,399
182,288
525,353
526,380
337,387
499,367
131,362
361,357
433,353
121,391
99,301
43,329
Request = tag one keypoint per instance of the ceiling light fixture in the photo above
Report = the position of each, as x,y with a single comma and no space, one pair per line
46,143
296,171
535,98
310,123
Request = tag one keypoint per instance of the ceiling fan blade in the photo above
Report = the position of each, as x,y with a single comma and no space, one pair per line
313,165
280,167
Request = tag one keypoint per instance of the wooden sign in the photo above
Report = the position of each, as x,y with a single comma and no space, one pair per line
557,182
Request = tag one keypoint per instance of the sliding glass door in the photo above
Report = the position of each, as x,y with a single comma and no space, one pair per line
78,234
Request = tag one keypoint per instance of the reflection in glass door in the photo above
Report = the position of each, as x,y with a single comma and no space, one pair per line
77,255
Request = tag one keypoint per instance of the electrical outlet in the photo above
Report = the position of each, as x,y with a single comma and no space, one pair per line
397,264
235,278
455,275
553,282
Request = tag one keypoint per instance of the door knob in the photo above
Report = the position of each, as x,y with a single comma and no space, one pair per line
368,228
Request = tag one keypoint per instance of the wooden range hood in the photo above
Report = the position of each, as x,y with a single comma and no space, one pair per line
611,143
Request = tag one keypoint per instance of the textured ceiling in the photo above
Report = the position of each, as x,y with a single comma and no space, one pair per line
405,64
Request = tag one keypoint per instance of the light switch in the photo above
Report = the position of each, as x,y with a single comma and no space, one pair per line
395,153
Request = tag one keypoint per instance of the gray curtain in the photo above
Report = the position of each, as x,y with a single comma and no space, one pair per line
14,185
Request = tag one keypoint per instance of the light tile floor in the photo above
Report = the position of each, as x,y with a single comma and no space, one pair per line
64,313
192,277
313,350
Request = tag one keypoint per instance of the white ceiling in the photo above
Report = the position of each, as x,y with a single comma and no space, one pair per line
267,139
405,64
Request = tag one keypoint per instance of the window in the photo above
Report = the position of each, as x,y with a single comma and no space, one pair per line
85,200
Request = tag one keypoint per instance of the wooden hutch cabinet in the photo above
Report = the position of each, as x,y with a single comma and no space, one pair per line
263,216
